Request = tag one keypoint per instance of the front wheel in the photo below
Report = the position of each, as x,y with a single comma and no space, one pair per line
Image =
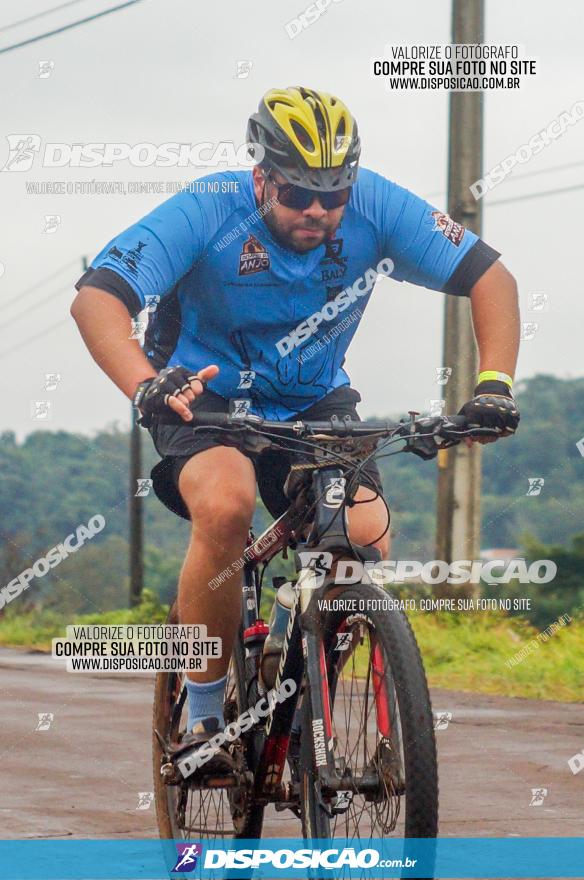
382,727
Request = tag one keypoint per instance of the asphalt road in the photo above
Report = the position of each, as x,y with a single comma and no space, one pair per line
82,777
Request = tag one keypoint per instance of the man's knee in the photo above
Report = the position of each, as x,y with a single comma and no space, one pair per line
221,515
224,519
219,490
369,522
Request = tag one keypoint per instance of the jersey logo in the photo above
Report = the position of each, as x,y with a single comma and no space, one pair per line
254,257
130,259
333,248
454,232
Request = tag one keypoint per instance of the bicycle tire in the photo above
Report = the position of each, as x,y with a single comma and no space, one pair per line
393,633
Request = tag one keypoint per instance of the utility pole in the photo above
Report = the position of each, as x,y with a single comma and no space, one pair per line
459,468
135,530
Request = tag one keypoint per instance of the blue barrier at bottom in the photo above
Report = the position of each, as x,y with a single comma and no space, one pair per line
468,857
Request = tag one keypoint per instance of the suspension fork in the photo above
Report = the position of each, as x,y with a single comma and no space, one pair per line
303,641
328,534
317,687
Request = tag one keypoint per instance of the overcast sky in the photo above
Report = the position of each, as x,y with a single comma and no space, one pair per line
159,72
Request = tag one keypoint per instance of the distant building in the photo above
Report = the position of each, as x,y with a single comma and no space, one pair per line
491,553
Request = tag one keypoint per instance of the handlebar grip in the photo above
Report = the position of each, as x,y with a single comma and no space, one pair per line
200,419
461,423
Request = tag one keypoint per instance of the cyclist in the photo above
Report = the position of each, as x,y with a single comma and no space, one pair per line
245,275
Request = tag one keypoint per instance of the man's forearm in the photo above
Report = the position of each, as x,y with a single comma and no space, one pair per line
106,326
495,315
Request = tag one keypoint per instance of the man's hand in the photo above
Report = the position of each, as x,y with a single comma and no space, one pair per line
493,406
174,388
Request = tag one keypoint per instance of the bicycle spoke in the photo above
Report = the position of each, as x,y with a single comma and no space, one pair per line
187,811
359,743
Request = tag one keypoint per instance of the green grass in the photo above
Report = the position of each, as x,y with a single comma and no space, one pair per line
36,629
465,652
469,652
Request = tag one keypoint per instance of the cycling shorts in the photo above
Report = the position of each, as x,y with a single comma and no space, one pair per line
178,443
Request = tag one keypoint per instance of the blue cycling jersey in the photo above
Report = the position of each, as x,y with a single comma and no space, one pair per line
222,290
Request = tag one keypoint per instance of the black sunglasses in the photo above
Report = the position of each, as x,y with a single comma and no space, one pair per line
300,198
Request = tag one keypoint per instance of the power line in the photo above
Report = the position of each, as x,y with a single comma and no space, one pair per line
535,195
68,27
34,338
433,195
518,177
38,284
37,305
14,24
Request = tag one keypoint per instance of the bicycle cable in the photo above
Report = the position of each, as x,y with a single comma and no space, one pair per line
354,471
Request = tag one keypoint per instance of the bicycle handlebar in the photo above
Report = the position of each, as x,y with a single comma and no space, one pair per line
424,436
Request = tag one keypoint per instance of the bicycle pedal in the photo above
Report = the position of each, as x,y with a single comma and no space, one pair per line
170,774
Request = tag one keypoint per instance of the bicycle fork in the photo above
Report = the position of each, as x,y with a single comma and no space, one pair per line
300,643
304,651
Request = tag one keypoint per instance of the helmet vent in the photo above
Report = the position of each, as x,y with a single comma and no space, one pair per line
274,140
339,141
302,135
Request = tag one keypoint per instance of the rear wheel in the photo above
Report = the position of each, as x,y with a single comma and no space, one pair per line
382,726
184,812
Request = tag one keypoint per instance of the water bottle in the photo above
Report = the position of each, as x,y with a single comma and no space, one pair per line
285,598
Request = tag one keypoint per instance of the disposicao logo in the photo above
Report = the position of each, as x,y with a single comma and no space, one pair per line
188,854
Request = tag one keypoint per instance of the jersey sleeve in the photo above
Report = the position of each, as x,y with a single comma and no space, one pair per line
150,257
427,247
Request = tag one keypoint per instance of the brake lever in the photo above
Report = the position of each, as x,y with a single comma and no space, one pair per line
424,442
433,434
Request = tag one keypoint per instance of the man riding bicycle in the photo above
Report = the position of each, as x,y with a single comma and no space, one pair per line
248,273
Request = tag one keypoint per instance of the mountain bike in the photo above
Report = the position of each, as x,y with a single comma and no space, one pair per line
350,752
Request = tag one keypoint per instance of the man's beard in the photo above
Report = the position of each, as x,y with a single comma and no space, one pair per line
286,240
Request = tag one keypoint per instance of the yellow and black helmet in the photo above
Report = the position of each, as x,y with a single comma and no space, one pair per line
310,137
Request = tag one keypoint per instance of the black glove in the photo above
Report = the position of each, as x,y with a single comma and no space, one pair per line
151,395
493,406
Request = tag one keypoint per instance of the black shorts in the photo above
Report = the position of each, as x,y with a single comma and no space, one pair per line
178,443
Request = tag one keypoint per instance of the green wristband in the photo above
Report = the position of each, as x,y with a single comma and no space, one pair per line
495,376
